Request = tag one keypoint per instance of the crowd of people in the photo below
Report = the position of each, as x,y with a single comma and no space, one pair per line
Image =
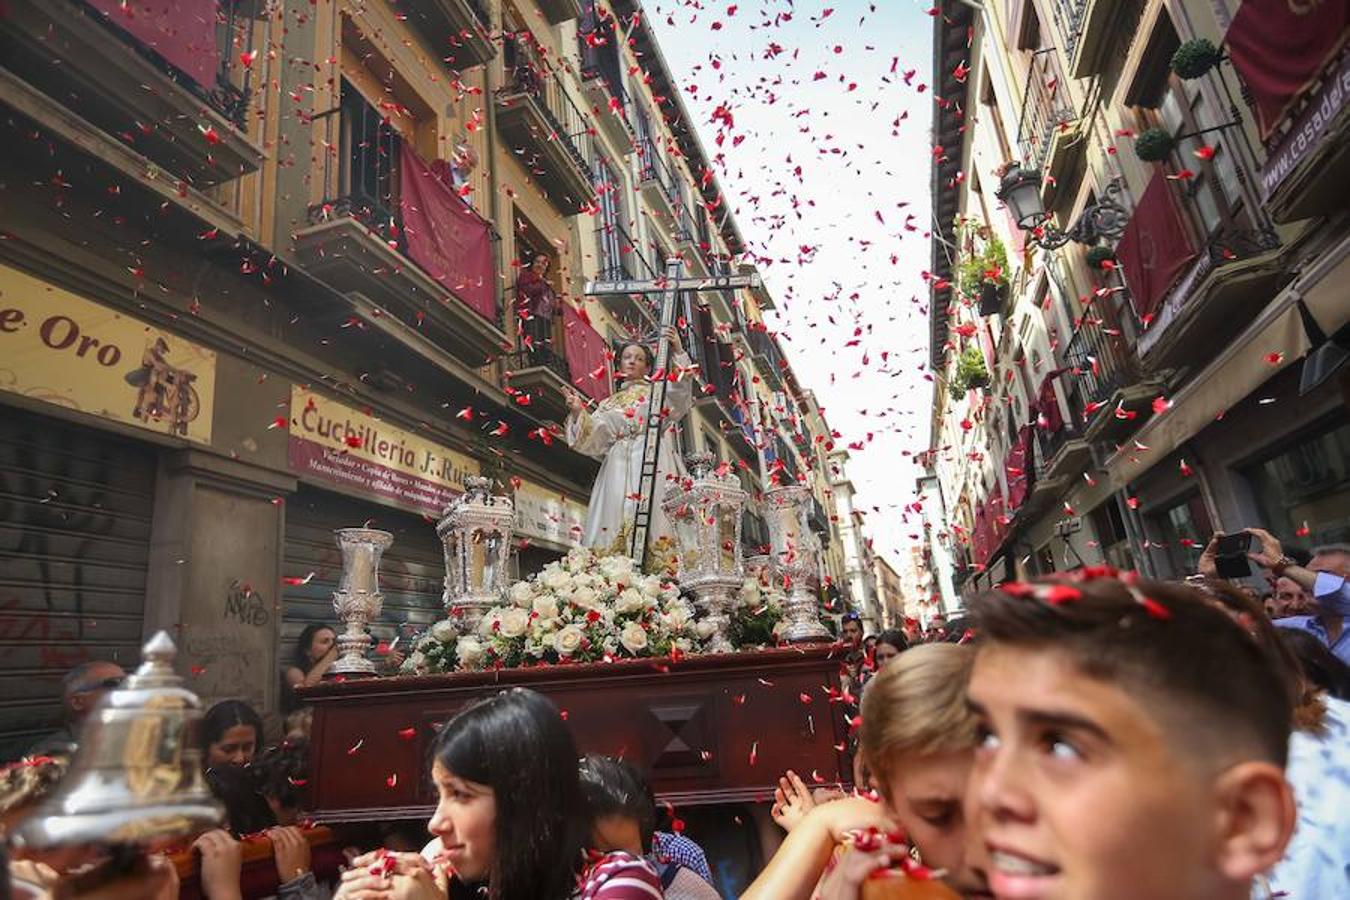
1092,735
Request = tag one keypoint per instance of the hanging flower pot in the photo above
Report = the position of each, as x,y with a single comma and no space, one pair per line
1194,58
1154,145
971,372
992,295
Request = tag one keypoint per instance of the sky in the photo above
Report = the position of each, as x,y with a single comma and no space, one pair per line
824,115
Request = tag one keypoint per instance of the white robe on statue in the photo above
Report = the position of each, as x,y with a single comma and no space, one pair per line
613,433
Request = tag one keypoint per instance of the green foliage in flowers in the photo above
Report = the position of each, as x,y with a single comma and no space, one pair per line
1153,145
1194,58
975,268
756,618
1098,255
970,371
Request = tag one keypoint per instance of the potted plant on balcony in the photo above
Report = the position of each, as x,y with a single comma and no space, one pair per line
970,371
986,274
1154,145
1196,57
1098,255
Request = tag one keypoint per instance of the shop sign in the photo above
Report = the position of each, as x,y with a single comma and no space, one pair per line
1310,130
62,349
334,443
546,515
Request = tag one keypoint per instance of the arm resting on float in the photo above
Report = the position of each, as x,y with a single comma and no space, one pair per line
801,859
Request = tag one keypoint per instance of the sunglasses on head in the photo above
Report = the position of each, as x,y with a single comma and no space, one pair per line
107,684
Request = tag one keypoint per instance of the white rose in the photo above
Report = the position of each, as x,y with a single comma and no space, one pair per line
633,637
676,618
469,651
445,631
546,606
521,592
568,640
585,598
514,622
555,579
490,618
704,629
749,593
651,586
414,662
630,601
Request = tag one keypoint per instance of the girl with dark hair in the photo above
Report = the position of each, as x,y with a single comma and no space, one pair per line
314,653
232,732
510,817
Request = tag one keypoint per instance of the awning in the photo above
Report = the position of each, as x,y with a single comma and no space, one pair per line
1272,342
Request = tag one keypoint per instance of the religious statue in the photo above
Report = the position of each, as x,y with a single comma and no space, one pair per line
614,433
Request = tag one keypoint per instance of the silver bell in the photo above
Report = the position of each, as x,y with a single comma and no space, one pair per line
136,776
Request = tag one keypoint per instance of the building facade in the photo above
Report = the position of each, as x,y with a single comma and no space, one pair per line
1130,326
265,275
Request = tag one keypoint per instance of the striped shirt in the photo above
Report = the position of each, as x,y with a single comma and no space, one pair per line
619,876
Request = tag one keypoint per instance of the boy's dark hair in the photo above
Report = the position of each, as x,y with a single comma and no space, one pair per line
1322,668
613,787
1185,650
282,771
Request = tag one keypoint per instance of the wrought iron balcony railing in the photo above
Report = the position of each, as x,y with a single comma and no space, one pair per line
1045,108
528,73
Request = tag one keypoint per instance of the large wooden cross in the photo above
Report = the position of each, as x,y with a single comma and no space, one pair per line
669,288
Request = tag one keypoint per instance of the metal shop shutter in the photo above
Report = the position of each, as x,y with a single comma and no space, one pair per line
75,511
412,571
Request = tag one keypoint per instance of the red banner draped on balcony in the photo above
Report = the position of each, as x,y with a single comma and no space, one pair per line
1017,468
983,537
998,519
450,241
585,349
1155,248
1047,403
1279,48
182,32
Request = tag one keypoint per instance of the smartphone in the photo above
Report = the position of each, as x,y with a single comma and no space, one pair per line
1230,555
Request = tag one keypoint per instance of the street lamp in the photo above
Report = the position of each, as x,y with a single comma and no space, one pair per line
1020,189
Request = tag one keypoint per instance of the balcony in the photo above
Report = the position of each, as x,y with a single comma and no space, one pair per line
657,183
1230,280
559,11
754,533
456,29
1110,382
1307,170
542,373
1084,26
184,107
602,81
1048,138
544,127
357,242
768,355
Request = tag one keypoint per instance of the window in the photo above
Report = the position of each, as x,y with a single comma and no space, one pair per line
609,234
1183,528
1307,483
1112,538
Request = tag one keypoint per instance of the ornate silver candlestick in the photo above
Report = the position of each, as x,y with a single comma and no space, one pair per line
358,600
796,560
705,512
476,534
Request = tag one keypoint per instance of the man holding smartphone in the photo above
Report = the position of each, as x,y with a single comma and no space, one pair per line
1326,577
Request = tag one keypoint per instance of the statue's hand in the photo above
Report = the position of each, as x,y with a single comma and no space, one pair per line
575,402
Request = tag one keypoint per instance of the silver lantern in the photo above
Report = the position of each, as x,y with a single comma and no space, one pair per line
796,560
476,534
137,773
705,512
358,600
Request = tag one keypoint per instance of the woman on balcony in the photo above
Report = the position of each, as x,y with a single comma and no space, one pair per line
613,433
535,305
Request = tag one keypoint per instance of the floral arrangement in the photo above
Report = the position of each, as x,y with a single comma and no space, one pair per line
582,608
757,616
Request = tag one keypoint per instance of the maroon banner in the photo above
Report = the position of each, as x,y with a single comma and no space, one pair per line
1047,404
1015,468
1155,248
450,241
183,32
586,355
998,519
351,471
1280,47
983,538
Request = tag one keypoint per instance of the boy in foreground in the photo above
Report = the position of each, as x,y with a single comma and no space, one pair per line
1132,744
